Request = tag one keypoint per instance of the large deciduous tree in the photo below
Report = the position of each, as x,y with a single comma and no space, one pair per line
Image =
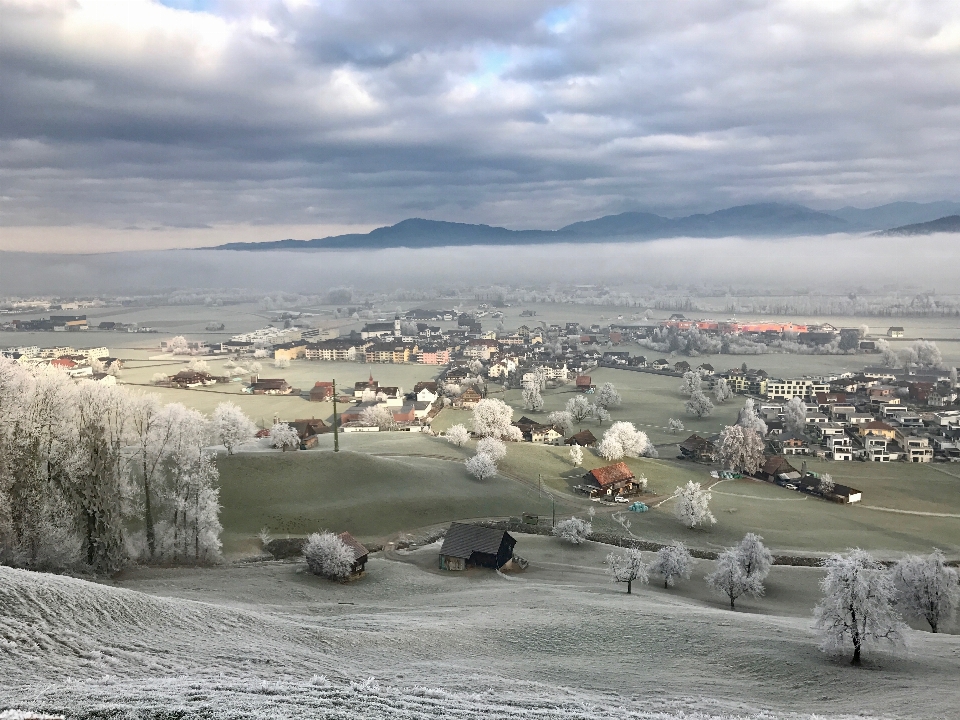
492,418
693,505
674,562
857,609
927,588
627,567
741,449
231,426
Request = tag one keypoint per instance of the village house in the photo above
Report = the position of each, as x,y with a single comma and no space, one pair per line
192,379
468,399
616,479
584,438
895,332
584,384
776,467
877,429
389,353
660,364
308,431
840,447
698,449
426,391
682,367
467,545
480,349
915,448
339,349
433,355
537,432
321,391
290,351
795,446
269,386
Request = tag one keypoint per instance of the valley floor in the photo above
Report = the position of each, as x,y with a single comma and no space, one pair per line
269,640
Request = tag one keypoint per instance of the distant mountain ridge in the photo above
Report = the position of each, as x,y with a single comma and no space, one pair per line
756,220
951,223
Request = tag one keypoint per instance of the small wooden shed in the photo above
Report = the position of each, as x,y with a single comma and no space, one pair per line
467,545
360,553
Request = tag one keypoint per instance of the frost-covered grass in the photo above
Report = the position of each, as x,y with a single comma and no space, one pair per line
318,697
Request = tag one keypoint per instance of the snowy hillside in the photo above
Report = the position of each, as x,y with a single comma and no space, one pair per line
269,640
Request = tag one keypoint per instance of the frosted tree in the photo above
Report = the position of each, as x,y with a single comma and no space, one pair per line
731,579
795,416
231,426
562,420
826,485
693,505
159,378
281,362
492,418
888,358
857,607
178,346
532,399
378,416
493,447
674,562
284,437
513,434
457,435
675,426
623,439
576,455
579,408
627,567
369,395
927,588
923,354
574,531
328,555
481,466
599,413
607,396
722,391
699,404
198,365
754,557
748,418
475,367
953,377
741,449
692,383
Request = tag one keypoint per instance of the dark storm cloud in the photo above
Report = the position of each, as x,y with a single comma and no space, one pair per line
518,113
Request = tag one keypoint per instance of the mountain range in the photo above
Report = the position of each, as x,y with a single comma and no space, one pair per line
757,220
950,224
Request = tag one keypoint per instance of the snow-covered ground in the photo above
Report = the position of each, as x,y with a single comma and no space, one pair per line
559,641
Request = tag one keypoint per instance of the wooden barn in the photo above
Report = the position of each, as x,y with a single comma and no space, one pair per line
476,546
584,438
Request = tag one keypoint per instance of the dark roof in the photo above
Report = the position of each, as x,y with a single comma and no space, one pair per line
695,443
359,551
610,474
777,465
463,540
584,437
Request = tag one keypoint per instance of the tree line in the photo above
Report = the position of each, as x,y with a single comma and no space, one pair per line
93,475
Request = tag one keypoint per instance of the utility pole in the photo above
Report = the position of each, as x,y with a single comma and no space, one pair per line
539,484
336,437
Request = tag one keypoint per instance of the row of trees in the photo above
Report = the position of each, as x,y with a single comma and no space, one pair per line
863,601
91,474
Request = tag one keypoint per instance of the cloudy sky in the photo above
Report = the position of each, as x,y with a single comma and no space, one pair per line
138,124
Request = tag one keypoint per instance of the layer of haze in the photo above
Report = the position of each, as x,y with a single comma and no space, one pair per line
137,124
836,263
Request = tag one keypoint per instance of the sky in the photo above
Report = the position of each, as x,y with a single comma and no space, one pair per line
131,124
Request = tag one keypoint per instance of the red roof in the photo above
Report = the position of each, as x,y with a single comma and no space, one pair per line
359,551
611,474
583,380
63,363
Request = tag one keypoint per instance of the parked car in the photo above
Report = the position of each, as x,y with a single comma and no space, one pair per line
620,499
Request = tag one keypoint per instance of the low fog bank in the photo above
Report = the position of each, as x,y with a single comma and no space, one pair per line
837,263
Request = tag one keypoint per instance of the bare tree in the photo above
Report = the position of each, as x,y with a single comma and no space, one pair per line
284,437
579,408
749,419
795,416
576,455
754,557
673,562
562,420
693,505
574,531
731,579
699,404
722,391
481,466
457,435
607,396
741,449
857,606
491,418
692,382
627,567
328,555
927,588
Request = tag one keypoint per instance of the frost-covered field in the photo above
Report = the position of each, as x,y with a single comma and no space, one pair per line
559,641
